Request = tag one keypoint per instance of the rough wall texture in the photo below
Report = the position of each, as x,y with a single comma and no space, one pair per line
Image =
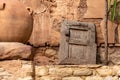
46,56
48,15
49,55
114,54
14,50
77,72
23,70
95,10
16,70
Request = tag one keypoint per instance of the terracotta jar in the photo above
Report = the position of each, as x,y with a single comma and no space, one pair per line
16,22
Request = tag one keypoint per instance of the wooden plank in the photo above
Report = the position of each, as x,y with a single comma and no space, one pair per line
78,36
63,50
77,42
78,53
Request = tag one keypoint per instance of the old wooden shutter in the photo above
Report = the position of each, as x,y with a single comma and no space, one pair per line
77,44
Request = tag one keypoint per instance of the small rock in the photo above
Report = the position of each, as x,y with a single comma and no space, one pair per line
111,78
40,51
108,78
116,69
14,50
63,72
53,70
118,73
50,78
42,71
11,66
94,66
50,52
72,78
43,60
115,56
118,78
46,78
115,78
26,62
5,73
105,71
94,78
1,69
82,72
26,66
26,78
29,74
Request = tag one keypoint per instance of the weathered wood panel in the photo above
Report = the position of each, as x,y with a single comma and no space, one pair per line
78,36
77,44
78,53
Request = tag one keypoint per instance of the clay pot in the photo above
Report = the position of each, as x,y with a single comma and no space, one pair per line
16,21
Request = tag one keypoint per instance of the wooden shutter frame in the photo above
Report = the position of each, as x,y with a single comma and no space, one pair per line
65,36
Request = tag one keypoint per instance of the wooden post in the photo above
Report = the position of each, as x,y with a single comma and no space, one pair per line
106,32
